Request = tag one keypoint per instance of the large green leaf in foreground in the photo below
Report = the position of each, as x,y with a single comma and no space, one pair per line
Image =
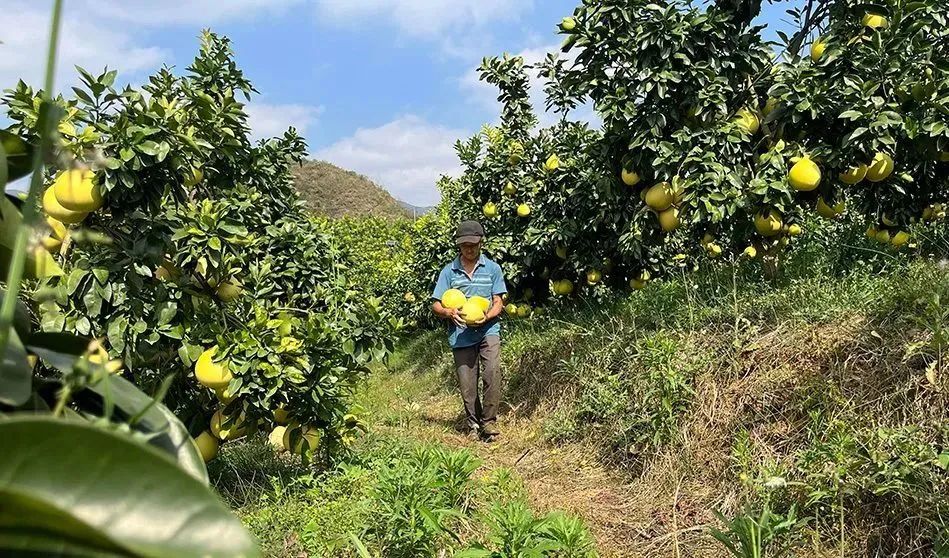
153,418
71,489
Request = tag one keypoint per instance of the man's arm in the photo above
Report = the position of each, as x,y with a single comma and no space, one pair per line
447,313
497,306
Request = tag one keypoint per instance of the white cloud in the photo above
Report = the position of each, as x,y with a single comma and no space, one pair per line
425,18
84,41
461,28
96,33
405,156
176,12
269,120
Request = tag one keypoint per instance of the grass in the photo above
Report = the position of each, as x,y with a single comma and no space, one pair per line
717,391
395,496
818,402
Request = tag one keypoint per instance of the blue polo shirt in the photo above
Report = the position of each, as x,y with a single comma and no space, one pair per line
487,281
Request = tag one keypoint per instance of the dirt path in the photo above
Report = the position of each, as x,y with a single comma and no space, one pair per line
563,477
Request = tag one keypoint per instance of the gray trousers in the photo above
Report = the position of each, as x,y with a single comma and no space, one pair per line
487,354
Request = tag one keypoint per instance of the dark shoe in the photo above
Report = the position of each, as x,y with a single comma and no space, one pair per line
489,432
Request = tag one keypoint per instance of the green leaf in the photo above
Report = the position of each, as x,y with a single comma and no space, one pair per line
16,374
59,350
148,147
19,155
152,418
72,487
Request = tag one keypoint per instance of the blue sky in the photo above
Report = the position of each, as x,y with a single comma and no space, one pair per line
383,87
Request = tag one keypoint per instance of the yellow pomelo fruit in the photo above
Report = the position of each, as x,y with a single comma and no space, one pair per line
927,214
53,208
568,24
883,237
594,276
59,229
523,210
768,223
472,312
853,175
224,395
561,251
482,302
899,239
944,156
112,366
51,243
276,437
659,196
770,105
76,191
162,273
281,415
524,310
748,121
885,219
490,210
228,427
208,445
714,249
871,232
669,219
307,439
511,309
804,175
795,230
209,373
194,177
563,287
509,189
875,21
880,168
817,49
552,163
557,287
639,282
630,178
824,210
751,252
454,299
229,291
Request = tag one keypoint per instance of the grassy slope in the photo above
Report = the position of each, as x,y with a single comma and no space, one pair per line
688,397
644,415
334,192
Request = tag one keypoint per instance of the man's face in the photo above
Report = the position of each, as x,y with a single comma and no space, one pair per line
470,251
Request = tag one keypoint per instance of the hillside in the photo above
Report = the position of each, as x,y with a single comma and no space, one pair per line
335,192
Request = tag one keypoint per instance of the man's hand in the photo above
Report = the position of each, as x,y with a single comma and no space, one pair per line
456,317
480,322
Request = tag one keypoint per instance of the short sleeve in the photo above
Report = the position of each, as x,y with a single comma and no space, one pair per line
442,285
499,287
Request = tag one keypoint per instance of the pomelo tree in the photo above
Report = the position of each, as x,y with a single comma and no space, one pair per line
714,141
202,247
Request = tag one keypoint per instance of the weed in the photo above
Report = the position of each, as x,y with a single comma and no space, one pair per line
764,536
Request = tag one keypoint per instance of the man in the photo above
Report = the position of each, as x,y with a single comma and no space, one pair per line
475,346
